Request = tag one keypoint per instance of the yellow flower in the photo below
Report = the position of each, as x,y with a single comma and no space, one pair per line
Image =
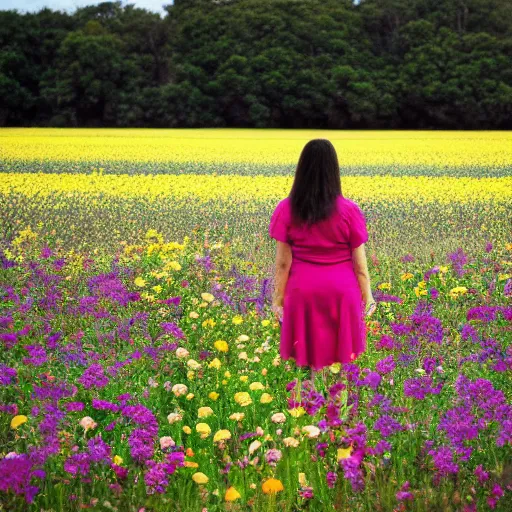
256,386
344,453
187,429
203,429
215,363
209,322
221,346
297,412
139,281
266,398
213,395
406,276
190,464
157,288
190,374
237,320
18,420
458,290
190,396
265,323
272,485
443,269
208,297
335,367
231,494
237,416
384,286
193,314
200,478
302,480
204,412
174,265
221,435
243,398
502,277
244,378
117,460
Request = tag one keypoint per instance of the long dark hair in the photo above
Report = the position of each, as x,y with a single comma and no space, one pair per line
317,182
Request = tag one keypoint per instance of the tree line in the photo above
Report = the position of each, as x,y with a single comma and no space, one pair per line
401,64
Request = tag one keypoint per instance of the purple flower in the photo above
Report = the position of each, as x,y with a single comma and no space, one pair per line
141,444
173,329
99,450
443,462
331,479
387,425
7,375
403,494
16,474
74,406
482,475
94,376
386,365
78,463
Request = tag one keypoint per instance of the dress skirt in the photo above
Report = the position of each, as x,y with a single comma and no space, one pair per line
323,315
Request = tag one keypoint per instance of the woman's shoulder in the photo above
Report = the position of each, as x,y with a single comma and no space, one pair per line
347,205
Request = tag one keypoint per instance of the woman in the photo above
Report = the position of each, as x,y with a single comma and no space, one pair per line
322,285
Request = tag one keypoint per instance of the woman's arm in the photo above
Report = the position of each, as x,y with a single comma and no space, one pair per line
283,263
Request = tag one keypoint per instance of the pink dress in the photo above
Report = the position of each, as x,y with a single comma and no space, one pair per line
323,309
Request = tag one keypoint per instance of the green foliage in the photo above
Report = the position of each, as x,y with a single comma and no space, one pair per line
266,63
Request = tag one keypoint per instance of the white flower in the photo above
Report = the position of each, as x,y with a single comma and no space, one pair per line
311,431
278,417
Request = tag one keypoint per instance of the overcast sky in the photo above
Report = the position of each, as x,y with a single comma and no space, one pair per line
71,5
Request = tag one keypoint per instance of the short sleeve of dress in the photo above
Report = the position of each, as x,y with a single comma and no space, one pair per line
358,231
278,228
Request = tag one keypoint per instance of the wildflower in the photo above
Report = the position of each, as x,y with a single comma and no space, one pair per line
256,386
243,398
291,442
231,494
215,363
243,337
272,485
192,363
174,417
311,431
244,378
266,398
208,297
254,446
209,322
278,417
237,319
204,412
179,389
221,435
117,460
203,429
343,453
187,429
237,416
213,395
166,442
273,456
18,420
200,478
87,423
193,314
139,281
221,346
181,352
297,412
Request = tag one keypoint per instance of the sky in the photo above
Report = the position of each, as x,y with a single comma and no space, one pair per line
71,5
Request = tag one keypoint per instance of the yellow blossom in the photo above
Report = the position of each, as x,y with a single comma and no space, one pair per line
203,429
208,297
256,386
237,416
272,485
200,478
204,412
264,323
297,412
231,494
344,453
244,378
215,363
221,435
266,398
187,429
384,286
209,322
237,320
139,281
18,420
406,276
221,346
243,398
213,395
117,460
193,314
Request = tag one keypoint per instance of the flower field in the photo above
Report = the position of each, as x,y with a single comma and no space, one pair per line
139,359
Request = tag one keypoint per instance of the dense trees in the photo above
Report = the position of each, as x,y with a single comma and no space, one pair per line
261,63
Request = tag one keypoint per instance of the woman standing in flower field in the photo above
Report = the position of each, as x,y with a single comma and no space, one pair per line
322,283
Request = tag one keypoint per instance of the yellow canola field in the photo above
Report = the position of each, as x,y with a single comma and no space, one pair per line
266,146
418,189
